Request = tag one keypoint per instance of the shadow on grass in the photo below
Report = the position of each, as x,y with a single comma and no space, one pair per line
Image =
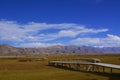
111,76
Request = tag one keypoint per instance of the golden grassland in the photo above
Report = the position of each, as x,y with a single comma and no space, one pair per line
11,68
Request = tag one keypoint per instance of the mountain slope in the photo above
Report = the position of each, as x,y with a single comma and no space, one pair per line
9,50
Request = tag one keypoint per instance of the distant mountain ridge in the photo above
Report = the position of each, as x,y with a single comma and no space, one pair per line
10,50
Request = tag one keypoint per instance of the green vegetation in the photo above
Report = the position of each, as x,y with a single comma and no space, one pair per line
13,68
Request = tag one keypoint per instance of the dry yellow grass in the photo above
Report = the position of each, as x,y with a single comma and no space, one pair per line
12,69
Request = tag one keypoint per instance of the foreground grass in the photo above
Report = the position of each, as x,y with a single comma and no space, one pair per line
12,69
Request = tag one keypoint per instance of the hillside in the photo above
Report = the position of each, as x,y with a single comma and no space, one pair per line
10,50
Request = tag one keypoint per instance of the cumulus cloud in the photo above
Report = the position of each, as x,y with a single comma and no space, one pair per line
109,41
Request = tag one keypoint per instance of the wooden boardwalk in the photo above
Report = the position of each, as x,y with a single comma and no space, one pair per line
81,65
105,65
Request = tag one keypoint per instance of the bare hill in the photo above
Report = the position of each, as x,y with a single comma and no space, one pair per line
10,50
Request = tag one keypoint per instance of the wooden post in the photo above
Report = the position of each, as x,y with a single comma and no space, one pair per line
65,65
97,68
77,66
89,68
103,69
110,70
61,65
86,67
69,65
93,67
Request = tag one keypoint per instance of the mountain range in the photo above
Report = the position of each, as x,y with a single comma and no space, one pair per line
58,49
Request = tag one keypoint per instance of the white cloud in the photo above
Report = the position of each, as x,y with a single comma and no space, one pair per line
109,41
85,41
38,34
12,31
37,45
67,33
113,37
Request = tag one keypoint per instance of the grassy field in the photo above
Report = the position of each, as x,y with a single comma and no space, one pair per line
11,68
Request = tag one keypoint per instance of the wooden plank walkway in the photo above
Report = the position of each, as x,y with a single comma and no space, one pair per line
68,62
105,65
108,65
88,66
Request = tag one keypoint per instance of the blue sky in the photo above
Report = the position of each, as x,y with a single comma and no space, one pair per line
42,23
